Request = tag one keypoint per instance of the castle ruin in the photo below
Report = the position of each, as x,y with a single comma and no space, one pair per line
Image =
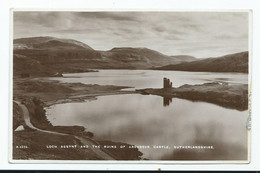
167,83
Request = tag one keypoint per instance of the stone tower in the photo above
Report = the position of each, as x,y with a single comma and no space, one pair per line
167,83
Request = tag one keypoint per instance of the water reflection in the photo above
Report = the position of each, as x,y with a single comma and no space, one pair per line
222,149
167,101
143,120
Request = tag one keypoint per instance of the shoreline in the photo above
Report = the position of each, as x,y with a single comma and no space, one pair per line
83,98
37,102
66,136
222,94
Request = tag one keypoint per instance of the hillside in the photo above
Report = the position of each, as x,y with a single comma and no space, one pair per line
48,56
25,66
184,58
133,58
48,43
237,62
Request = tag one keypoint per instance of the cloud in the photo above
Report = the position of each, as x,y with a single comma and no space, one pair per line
118,16
200,34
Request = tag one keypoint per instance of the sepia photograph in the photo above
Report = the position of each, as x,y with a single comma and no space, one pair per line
131,86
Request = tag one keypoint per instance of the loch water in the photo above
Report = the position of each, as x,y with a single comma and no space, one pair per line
147,120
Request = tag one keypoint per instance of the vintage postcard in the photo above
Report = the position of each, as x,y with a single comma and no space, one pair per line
130,86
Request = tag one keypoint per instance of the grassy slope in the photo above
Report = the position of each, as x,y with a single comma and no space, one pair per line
17,116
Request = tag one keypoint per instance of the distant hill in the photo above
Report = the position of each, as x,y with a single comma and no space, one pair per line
184,58
66,55
237,62
51,56
48,43
135,58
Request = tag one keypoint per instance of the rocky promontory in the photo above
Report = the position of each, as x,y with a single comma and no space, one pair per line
223,94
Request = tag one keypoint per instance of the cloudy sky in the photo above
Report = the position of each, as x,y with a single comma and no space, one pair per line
200,34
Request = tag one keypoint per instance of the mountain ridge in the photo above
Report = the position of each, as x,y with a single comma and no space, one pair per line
55,55
236,62
39,42
67,55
